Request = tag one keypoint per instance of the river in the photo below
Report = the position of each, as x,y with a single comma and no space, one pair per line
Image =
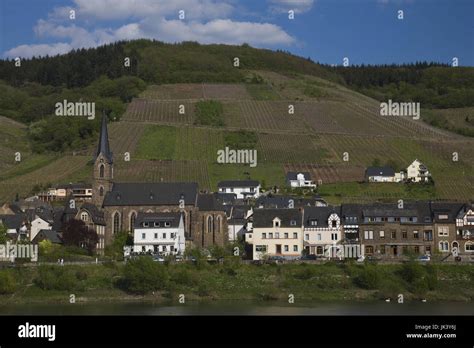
244,308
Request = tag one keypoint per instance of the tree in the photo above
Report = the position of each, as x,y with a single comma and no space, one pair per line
3,234
76,233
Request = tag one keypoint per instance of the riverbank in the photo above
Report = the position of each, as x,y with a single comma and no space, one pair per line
148,281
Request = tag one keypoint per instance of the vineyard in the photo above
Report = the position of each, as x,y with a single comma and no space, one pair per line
196,91
329,174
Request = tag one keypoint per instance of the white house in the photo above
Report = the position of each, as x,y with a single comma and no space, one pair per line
241,188
322,231
299,179
159,233
276,232
465,229
417,172
37,224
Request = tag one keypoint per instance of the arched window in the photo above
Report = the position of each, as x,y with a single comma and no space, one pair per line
101,170
84,216
218,224
116,222
209,224
133,217
101,191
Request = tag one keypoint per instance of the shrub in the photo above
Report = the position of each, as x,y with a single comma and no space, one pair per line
368,278
411,271
209,113
142,275
7,283
55,278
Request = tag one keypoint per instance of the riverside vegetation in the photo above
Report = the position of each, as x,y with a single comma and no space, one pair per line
144,279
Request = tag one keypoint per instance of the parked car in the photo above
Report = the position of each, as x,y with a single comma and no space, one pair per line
309,257
424,258
158,258
276,259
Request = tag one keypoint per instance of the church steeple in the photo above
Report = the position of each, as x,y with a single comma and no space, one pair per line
103,166
104,147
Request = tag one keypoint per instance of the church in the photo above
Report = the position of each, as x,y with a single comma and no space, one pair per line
115,205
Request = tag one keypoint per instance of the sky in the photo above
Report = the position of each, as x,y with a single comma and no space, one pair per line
327,31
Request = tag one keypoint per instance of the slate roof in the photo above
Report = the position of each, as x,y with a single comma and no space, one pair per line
264,217
293,175
283,201
238,183
450,209
97,216
51,235
208,202
418,209
104,147
13,221
321,214
380,171
172,217
145,194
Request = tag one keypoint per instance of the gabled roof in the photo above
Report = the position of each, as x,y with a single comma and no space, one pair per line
321,214
96,215
13,221
446,208
146,194
293,175
51,235
238,183
265,217
173,218
208,202
104,147
380,171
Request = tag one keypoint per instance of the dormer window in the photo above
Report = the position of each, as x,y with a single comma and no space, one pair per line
334,223
146,224
152,196
167,224
276,222
293,222
156,224
313,222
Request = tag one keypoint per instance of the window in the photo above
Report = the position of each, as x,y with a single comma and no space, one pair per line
84,216
295,235
442,217
443,246
143,248
101,191
404,234
164,235
264,236
416,235
334,224
277,223
369,249
156,235
116,222
167,224
286,235
368,234
146,224
270,235
428,235
469,247
133,218
443,231
319,236
393,234
319,250
306,237
417,249
287,248
382,234
295,248
209,224
313,222
156,224
143,235
293,223
428,249
277,235
261,248
172,235
382,249
333,236
101,170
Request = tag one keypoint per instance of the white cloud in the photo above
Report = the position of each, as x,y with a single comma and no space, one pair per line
148,20
39,50
299,6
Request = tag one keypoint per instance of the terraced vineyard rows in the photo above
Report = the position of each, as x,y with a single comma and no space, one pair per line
53,173
124,136
163,171
196,91
329,173
198,144
145,110
288,148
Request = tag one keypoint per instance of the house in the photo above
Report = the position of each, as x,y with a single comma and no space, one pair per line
241,188
465,229
16,225
380,174
237,221
276,232
389,231
299,179
444,225
50,235
277,201
79,191
417,172
94,219
39,220
322,231
159,233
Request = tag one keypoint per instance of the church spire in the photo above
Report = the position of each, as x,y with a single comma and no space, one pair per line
103,147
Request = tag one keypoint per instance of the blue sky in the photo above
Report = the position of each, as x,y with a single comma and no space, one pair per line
365,31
